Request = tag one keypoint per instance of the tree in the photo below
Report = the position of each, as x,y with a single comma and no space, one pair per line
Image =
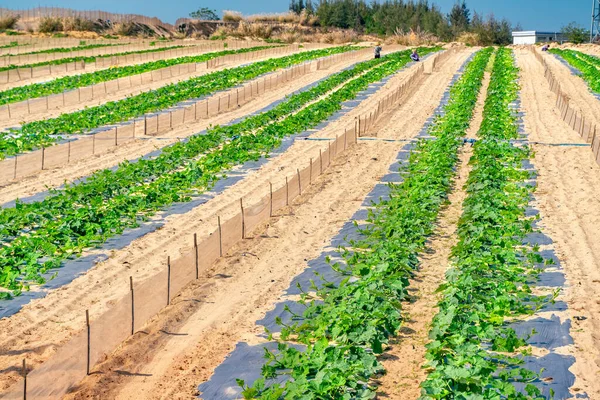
575,33
460,18
296,6
205,14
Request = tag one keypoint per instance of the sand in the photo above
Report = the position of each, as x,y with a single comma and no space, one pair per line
217,311
405,359
569,201
130,150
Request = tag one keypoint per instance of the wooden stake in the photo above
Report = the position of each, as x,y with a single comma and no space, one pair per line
196,251
243,221
24,372
271,199
220,237
299,183
87,324
168,280
132,304
287,192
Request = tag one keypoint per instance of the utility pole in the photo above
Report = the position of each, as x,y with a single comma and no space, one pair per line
595,31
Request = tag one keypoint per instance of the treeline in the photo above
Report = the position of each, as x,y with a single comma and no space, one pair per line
399,16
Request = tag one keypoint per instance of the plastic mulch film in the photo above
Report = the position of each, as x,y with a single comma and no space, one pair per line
257,214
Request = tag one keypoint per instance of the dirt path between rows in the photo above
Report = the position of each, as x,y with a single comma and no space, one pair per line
582,100
121,94
131,150
43,325
405,359
569,201
188,340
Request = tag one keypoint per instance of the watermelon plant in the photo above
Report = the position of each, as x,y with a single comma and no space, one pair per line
46,132
588,66
473,354
39,236
87,59
346,326
65,49
66,83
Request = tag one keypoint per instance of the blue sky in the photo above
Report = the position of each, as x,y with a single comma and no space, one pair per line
532,14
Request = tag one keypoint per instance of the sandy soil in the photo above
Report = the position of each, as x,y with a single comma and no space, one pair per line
121,94
405,359
131,150
159,365
9,85
569,201
581,99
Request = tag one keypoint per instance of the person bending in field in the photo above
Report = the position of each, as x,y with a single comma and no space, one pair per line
546,47
415,56
378,51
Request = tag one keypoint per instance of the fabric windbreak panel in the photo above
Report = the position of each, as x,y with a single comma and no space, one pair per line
316,168
82,148
110,329
231,232
150,296
7,171
29,163
326,158
125,133
54,378
279,198
183,271
257,214
305,179
152,125
106,140
208,252
55,156
293,188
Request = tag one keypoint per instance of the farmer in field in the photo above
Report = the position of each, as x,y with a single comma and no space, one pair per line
546,47
415,56
378,51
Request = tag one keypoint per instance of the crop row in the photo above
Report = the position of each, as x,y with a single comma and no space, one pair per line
473,353
87,59
38,236
12,44
43,133
586,64
66,83
65,49
346,326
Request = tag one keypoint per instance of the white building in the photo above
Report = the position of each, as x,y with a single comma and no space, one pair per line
533,37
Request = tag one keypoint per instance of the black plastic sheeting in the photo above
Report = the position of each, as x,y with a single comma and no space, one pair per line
222,385
73,268
551,324
575,72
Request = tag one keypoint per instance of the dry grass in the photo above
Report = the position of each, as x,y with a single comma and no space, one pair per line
50,25
412,38
9,21
281,18
468,38
232,16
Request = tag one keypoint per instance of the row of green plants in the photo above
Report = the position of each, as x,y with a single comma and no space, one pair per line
473,353
80,47
346,326
35,134
87,59
586,64
39,236
12,44
66,83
